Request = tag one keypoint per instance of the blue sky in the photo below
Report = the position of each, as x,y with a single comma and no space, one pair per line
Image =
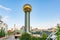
45,13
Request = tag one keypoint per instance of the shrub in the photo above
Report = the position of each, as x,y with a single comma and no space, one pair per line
2,32
25,36
35,38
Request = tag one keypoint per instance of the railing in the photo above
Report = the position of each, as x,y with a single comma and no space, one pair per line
51,35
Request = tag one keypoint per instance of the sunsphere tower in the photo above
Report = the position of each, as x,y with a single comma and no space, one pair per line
27,9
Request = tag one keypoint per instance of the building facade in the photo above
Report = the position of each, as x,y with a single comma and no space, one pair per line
3,25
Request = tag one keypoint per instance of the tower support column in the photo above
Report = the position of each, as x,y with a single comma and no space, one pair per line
27,9
27,22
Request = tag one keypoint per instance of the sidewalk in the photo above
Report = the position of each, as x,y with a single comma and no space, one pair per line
3,38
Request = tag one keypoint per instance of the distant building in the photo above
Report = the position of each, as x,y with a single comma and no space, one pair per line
22,29
52,29
3,25
40,31
58,24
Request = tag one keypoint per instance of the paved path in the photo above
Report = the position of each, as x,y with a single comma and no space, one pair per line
11,38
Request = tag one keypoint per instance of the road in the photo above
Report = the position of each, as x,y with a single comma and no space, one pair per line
11,38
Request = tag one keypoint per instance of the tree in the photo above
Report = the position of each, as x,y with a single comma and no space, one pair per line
2,32
58,32
35,38
25,36
44,35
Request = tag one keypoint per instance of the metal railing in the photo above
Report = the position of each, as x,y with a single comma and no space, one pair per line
51,35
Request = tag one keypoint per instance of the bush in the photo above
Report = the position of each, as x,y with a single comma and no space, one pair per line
58,33
2,32
44,35
35,38
25,36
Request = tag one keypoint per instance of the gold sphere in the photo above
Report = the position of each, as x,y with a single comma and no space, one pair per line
27,8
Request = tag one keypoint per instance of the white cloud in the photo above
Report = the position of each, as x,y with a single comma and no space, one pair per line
5,18
5,8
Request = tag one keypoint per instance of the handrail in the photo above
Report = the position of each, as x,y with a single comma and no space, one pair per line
51,34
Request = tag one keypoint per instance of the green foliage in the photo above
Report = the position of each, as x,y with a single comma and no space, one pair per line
44,35
58,33
58,37
10,33
25,36
42,38
35,38
2,32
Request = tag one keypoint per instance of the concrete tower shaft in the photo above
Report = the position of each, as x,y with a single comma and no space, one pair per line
27,9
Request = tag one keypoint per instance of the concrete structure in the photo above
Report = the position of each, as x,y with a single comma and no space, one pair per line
27,9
